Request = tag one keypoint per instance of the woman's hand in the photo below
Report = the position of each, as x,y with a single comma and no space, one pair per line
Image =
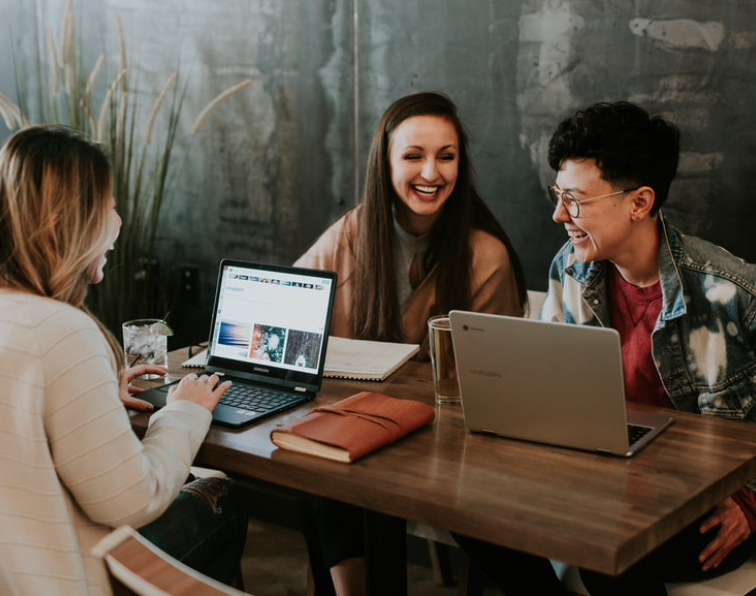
126,390
205,390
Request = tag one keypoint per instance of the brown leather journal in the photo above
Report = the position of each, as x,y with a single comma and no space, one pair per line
353,427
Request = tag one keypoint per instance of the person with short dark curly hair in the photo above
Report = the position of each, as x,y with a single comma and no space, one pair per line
685,310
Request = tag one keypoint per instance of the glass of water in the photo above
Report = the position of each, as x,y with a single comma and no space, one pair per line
145,341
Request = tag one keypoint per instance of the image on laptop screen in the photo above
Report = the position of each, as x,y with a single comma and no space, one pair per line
270,321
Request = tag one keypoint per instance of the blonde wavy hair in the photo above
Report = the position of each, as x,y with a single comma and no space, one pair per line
55,193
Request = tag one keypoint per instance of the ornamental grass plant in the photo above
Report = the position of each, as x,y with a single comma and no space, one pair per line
140,144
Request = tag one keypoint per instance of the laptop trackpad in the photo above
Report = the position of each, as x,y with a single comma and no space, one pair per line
233,416
156,395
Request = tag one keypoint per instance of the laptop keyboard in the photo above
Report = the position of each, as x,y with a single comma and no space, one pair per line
635,432
257,399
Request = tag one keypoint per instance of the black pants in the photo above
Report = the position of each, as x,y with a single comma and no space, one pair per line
521,574
334,532
675,561
513,572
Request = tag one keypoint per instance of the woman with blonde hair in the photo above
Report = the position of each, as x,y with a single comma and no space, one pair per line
70,464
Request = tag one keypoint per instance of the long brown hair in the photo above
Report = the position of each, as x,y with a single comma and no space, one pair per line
377,313
55,188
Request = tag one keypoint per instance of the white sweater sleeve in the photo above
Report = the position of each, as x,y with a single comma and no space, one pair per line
113,477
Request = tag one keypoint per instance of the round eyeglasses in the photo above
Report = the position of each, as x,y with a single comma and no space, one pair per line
572,205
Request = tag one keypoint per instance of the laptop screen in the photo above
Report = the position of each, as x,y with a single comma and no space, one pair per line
271,322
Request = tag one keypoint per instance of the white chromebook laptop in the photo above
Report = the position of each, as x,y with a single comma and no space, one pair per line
547,382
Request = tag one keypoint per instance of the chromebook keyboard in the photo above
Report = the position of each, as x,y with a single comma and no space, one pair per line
636,433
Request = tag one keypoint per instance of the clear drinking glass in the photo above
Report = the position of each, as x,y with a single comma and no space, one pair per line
145,341
442,357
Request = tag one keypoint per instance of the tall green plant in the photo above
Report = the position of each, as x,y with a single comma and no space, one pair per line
140,150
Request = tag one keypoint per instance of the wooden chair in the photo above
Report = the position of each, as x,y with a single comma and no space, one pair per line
740,582
136,567
535,302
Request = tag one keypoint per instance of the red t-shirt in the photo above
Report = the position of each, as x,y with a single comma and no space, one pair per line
633,313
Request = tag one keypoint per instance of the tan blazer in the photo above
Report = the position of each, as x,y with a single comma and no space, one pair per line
494,287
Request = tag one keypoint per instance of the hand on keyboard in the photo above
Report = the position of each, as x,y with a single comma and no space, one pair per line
203,390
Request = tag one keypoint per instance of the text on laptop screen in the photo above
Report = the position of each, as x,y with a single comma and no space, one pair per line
271,317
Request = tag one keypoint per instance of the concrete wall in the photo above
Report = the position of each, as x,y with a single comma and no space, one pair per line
281,161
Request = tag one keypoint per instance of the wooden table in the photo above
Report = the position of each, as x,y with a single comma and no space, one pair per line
594,511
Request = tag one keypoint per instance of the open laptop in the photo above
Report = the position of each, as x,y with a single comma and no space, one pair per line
268,335
547,382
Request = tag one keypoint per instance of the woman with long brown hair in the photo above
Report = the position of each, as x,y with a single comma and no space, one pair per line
421,242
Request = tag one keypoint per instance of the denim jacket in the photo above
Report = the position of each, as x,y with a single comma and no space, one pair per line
704,342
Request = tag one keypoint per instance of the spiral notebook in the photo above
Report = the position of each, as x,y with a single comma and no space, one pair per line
365,360
350,358
196,361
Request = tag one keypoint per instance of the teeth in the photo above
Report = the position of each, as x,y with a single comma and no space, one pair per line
576,234
427,190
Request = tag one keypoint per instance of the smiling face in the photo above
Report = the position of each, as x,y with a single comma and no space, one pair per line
96,273
603,231
424,158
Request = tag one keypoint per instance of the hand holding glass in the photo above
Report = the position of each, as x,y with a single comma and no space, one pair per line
145,341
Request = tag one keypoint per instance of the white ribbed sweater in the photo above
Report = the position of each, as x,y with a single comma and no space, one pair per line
70,466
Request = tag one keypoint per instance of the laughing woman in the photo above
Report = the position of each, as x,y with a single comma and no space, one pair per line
422,242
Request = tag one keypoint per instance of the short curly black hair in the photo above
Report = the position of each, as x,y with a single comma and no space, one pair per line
630,147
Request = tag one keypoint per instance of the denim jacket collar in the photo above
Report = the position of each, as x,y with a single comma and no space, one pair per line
591,276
